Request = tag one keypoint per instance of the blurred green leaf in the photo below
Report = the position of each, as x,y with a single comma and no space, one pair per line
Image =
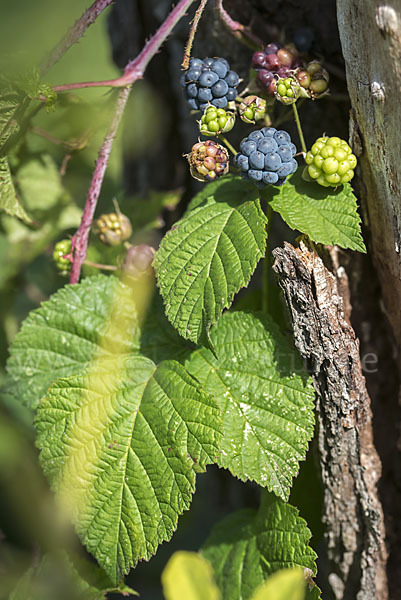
188,576
287,584
58,577
9,201
40,183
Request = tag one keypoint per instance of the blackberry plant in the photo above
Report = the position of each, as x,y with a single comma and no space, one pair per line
136,380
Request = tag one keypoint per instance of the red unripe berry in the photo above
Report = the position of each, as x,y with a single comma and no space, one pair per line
272,61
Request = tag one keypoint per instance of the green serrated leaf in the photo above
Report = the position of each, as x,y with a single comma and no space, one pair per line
249,545
121,445
94,320
188,576
267,400
9,104
209,255
326,215
287,584
9,201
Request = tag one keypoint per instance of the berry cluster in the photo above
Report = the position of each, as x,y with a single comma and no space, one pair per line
266,156
330,161
113,228
209,81
62,249
274,60
216,120
208,160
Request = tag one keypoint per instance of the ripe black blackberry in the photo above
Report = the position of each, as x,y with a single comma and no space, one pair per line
266,156
209,81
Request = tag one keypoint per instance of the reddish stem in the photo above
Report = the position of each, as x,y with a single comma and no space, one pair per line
136,68
74,33
241,32
133,71
80,239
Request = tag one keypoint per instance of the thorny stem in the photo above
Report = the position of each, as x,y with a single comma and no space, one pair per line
136,68
241,32
227,143
133,71
74,33
300,132
266,262
80,239
195,22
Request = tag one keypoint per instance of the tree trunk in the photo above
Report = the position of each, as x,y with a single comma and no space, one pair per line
370,34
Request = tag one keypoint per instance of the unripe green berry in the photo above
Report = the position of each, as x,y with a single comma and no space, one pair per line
61,249
215,121
319,160
330,162
287,90
318,86
326,151
330,165
252,109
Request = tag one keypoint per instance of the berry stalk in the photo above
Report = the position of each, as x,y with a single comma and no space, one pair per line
227,144
266,262
195,23
300,132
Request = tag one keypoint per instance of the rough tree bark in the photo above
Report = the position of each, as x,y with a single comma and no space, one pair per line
370,34
349,462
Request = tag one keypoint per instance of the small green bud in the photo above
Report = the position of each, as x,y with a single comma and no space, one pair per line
252,109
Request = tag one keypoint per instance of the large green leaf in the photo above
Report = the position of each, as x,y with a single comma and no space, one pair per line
209,255
9,201
121,445
188,576
266,398
249,545
80,323
328,216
